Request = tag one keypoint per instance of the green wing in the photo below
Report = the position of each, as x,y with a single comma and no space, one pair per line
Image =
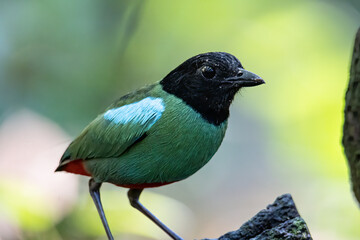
116,130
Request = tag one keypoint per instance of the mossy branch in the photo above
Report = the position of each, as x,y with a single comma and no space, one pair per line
279,221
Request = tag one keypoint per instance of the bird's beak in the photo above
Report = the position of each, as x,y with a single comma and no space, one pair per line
245,78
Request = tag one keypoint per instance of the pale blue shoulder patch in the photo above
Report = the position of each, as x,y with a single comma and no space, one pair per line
148,110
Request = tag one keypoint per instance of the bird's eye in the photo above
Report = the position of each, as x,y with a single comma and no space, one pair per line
208,72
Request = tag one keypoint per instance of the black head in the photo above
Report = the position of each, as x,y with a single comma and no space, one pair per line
208,83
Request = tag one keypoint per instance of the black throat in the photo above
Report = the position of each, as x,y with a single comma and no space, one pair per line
212,105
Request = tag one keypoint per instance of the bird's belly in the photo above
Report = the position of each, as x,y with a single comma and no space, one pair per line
164,156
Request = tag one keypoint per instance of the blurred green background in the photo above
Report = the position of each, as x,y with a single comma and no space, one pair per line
62,62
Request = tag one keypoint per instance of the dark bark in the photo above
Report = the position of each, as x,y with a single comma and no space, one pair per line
351,136
279,221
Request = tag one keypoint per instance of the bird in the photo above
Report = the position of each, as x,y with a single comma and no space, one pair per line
161,133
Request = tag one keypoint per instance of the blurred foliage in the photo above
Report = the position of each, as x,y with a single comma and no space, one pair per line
29,213
64,55
67,60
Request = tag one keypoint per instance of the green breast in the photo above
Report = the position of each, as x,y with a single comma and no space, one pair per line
176,146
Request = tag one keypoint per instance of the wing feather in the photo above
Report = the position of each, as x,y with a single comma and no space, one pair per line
114,131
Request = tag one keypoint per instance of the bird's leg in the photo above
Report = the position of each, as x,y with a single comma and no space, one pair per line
94,188
134,195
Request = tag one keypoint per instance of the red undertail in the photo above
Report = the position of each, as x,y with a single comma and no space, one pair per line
76,166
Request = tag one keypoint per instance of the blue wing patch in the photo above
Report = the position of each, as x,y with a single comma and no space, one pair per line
148,110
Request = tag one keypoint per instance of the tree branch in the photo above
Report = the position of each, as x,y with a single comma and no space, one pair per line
351,136
279,221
